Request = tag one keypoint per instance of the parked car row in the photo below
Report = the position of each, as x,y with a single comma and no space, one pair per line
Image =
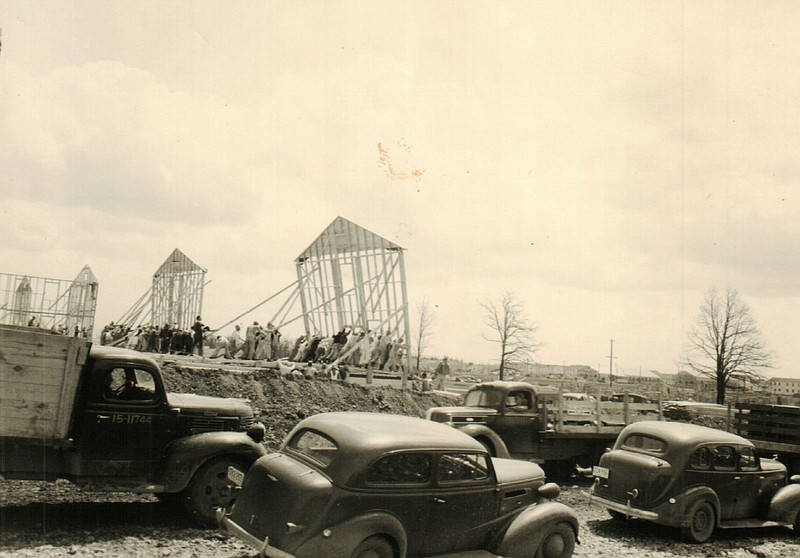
366,485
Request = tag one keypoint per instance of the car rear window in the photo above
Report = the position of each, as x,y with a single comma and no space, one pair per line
317,446
643,442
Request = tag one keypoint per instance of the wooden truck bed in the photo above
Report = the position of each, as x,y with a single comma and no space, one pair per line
770,427
599,417
39,373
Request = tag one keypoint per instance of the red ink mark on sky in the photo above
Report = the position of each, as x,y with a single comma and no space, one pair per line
398,171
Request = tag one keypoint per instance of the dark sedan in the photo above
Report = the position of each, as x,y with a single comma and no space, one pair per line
375,485
696,478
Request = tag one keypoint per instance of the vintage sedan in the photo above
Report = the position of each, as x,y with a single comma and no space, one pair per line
695,478
366,485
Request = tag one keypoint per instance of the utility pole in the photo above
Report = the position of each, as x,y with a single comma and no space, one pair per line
611,358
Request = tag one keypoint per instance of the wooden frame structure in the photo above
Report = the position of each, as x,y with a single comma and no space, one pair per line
175,295
351,277
66,306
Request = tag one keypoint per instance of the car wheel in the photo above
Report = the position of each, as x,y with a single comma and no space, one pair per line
559,542
210,489
702,522
374,547
617,516
796,527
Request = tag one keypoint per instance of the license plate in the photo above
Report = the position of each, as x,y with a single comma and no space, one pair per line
600,472
235,476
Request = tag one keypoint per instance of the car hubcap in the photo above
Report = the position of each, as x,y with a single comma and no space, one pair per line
554,546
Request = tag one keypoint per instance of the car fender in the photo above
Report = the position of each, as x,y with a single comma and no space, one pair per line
785,504
527,530
186,455
692,495
482,431
343,538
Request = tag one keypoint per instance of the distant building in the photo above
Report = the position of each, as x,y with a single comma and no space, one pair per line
783,386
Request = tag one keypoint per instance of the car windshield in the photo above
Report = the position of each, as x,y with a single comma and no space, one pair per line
315,445
483,398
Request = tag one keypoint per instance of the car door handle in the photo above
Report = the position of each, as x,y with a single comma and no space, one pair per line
439,501
737,478
103,417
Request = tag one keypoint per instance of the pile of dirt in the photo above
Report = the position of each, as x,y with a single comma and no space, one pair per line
283,403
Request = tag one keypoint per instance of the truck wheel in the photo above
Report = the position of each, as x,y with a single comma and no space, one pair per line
374,547
210,489
702,522
559,542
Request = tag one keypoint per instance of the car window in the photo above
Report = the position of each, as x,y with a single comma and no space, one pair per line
317,446
401,468
642,442
701,459
724,458
747,459
462,467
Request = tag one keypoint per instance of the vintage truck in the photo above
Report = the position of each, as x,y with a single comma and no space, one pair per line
101,418
560,431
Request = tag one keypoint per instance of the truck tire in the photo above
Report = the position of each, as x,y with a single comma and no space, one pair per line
374,547
210,489
559,542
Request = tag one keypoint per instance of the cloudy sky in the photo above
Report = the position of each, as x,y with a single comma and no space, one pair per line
605,162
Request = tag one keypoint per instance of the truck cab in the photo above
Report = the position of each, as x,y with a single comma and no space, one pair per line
503,416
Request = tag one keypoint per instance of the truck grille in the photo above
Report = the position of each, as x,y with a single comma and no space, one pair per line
207,424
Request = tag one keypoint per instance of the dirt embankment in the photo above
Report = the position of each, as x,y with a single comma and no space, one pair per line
283,403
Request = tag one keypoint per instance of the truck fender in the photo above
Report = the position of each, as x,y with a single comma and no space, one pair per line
186,455
527,530
488,437
785,504
346,536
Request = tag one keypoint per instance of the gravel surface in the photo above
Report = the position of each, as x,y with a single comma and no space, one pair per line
56,519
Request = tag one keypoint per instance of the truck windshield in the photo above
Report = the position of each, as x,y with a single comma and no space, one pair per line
483,398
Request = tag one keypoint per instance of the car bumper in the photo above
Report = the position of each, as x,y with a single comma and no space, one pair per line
262,546
626,508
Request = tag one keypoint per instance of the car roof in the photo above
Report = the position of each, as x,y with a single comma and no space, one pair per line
378,432
681,433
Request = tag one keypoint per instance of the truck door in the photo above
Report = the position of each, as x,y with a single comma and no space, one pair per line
518,422
124,424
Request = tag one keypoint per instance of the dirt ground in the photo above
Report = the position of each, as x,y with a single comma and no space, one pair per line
57,520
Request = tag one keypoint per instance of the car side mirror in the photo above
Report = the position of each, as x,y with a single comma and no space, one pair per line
794,479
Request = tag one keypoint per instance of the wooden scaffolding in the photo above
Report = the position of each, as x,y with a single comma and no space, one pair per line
175,295
61,305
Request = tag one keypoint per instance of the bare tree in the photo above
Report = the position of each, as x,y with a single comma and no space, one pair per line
726,343
424,329
511,331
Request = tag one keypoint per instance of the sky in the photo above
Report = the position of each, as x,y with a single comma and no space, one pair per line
606,163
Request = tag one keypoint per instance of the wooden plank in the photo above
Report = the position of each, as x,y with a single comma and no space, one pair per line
39,374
